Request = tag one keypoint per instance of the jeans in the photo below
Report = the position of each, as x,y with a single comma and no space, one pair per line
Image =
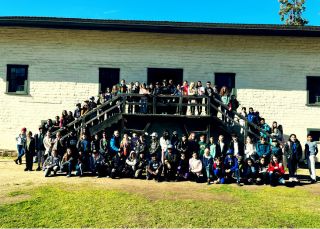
292,166
312,166
20,153
40,155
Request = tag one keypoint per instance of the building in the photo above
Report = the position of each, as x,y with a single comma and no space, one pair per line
49,64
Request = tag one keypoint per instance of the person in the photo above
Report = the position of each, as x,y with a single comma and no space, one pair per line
293,153
67,162
231,166
48,144
170,164
207,163
125,145
236,146
72,141
184,90
249,172
117,165
52,164
82,163
39,137
218,171
95,143
183,146
114,144
144,99
225,99
275,132
140,167
21,143
63,119
164,142
193,145
311,151
70,117
221,147
154,145
276,150
77,111
242,121
48,126
233,106
212,147
123,89
130,165
192,92
30,149
263,149
154,168
183,168
92,104
275,171
59,144
208,91
266,129
195,168
262,176
175,140
99,166
202,145
200,92
104,144
250,149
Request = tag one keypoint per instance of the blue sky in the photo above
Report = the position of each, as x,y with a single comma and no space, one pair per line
220,11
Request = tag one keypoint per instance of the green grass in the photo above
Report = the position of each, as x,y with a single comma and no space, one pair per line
58,206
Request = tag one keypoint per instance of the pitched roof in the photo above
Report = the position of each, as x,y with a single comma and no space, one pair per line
162,26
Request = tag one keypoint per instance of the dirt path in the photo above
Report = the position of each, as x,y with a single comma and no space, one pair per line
13,178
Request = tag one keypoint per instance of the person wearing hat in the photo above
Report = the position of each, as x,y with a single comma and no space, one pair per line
154,168
39,137
21,142
170,164
231,167
140,167
154,145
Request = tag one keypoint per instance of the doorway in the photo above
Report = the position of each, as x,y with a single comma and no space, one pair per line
225,79
159,74
108,77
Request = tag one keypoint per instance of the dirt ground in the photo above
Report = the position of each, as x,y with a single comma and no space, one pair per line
13,178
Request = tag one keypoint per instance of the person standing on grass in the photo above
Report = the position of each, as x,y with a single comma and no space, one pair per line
293,153
21,142
207,163
311,151
30,150
39,137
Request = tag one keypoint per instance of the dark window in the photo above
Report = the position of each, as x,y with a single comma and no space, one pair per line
313,88
225,79
17,78
159,74
315,134
108,77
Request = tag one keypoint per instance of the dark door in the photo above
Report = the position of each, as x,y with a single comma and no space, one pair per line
108,77
225,79
159,74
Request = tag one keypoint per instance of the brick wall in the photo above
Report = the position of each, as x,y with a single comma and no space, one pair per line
63,70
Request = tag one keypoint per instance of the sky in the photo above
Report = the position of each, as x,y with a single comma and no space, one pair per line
215,11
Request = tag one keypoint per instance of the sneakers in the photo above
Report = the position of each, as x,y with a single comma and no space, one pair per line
291,179
281,181
313,181
38,169
16,161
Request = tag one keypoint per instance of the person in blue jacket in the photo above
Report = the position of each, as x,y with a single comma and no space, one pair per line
263,149
115,144
218,171
250,172
231,167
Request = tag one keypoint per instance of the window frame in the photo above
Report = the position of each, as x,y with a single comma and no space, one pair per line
308,92
314,129
233,90
26,83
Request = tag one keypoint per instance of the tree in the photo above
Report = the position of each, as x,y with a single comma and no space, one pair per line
291,12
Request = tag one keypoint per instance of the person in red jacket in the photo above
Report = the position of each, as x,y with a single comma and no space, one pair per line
275,171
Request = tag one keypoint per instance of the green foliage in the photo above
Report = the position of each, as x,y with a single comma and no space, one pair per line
85,206
291,12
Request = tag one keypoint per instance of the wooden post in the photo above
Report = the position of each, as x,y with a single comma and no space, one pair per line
245,130
180,105
154,105
208,106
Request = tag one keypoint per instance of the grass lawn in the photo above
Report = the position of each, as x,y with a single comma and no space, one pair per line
84,205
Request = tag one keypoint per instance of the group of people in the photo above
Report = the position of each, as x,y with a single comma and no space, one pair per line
170,157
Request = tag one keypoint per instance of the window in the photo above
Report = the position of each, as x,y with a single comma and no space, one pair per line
313,88
225,79
17,79
159,74
108,77
315,133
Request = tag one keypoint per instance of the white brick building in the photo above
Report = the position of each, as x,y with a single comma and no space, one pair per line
270,64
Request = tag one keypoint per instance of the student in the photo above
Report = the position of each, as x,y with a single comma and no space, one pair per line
39,147
52,164
125,145
59,144
21,142
311,151
117,165
164,142
192,91
293,153
263,149
200,92
77,111
170,164
233,106
262,176
68,162
249,172
236,146
195,168
154,145
276,150
193,145
30,149
131,161
95,143
175,140
221,148
212,147
99,166
104,144
218,171
72,141
231,166
48,144
82,163
183,168
114,144
276,172
207,163
183,146
250,149
154,168
275,132
225,99
140,167
202,145
266,128
242,122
